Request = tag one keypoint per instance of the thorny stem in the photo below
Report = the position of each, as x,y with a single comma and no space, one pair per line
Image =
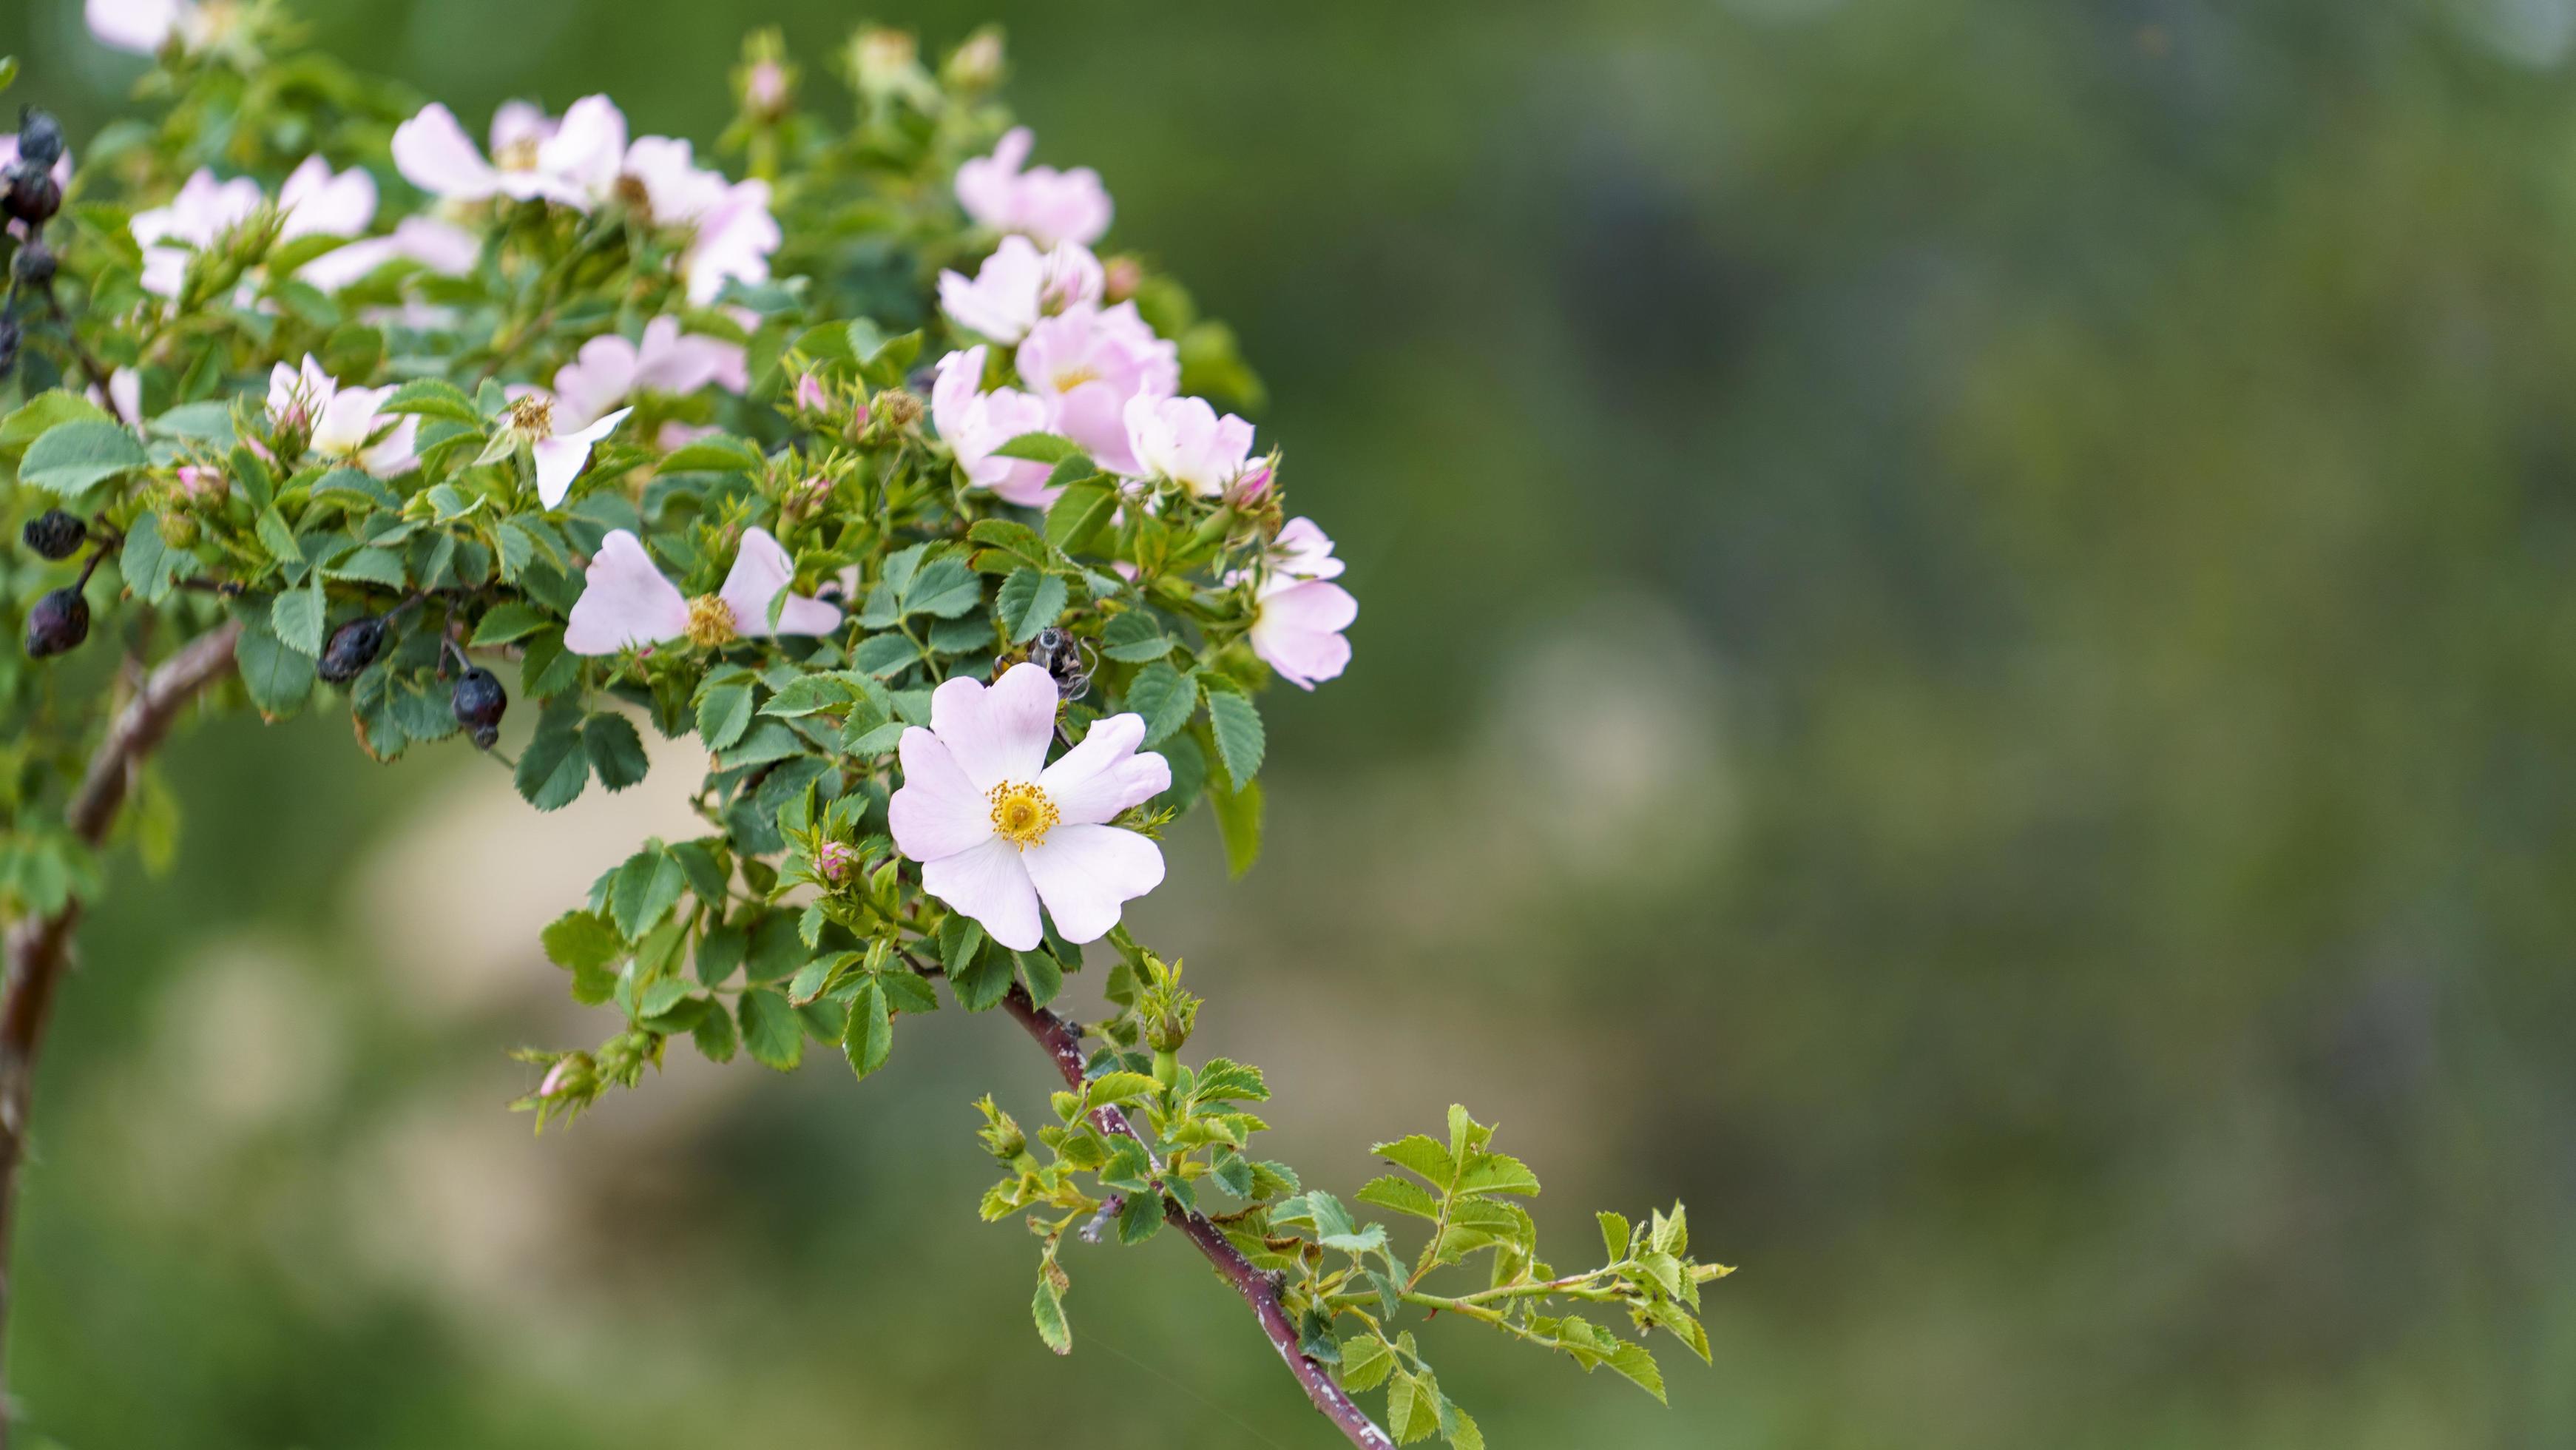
1063,1043
39,947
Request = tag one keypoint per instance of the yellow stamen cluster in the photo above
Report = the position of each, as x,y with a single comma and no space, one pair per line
1022,814
532,417
711,622
519,155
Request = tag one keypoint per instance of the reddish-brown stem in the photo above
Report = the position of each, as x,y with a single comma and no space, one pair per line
1063,1043
39,947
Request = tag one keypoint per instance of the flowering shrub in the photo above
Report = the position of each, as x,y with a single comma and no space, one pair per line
862,467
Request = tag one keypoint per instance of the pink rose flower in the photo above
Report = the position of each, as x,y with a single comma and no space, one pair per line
1019,284
1042,203
1087,364
973,423
998,830
627,603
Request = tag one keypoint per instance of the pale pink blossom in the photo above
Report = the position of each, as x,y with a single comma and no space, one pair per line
1298,631
316,201
1045,204
342,424
1302,551
573,161
192,221
1087,363
1019,284
664,175
439,246
626,603
998,830
559,441
1184,440
609,369
140,26
973,423
733,242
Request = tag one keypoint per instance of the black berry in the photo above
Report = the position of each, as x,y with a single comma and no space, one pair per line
54,534
40,136
479,704
32,196
353,647
34,265
60,621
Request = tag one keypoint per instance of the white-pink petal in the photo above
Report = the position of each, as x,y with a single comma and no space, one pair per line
560,460
1001,733
625,602
1299,630
989,883
1104,775
761,572
1086,874
937,811
140,26
432,152
316,202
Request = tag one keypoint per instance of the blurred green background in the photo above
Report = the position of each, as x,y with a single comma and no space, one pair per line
1967,661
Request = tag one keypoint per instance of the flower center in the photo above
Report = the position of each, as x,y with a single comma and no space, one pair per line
1068,379
1022,814
711,622
632,191
519,155
533,417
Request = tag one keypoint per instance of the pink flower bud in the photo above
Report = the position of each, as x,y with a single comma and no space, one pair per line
556,1076
834,861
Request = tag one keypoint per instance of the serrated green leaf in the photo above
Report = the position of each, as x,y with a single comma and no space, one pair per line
277,678
1614,1235
869,1038
647,885
771,1030
1239,737
1366,1359
1634,1361
1039,448
1420,1153
1238,821
73,457
553,769
945,588
724,712
579,940
432,398
508,622
1165,697
1134,638
1048,1310
616,751
1029,602
150,566
1079,514
1400,1194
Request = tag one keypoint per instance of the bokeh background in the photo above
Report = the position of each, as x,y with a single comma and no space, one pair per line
1967,661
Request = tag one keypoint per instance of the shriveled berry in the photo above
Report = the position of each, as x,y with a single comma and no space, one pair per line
32,197
351,648
60,621
40,136
479,703
55,534
33,267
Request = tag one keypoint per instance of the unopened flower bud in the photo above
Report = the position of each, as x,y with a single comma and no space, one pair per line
765,89
811,395
55,534
1001,1134
807,497
202,485
835,861
977,64
479,702
351,648
1120,279
179,531
60,621
886,62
